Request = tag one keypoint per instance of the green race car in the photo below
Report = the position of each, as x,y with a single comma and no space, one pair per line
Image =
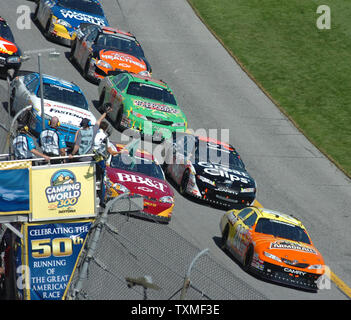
143,104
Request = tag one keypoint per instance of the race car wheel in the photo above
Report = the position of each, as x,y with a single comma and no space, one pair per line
101,100
248,258
119,119
73,48
35,15
184,183
224,238
47,28
12,98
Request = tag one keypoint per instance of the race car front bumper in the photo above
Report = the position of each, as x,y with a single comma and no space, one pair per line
148,129
219,197
287,276
60,34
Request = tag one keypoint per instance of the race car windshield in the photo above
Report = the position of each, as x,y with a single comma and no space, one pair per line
212,153
64,95
5,32
125,162
120,44
151,92
282,230
86,6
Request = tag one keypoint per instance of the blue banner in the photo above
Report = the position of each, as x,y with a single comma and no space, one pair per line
14,190
52,252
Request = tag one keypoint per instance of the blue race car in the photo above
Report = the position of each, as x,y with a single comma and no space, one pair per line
60,18
61,98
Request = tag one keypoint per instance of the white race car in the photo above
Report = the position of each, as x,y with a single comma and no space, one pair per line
61,98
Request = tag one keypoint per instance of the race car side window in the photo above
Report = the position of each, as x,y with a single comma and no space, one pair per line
123,83
244,212
33,85
250,220
92,35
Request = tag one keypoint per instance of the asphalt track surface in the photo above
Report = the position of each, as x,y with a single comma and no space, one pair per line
291,174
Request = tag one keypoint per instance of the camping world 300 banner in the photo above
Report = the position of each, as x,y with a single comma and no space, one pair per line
63,192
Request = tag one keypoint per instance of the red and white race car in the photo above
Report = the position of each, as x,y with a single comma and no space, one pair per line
140,174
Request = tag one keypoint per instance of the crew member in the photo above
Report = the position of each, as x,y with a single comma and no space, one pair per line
24,146
52,141
84,141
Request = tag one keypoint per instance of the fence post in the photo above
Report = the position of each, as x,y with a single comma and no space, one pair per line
187,276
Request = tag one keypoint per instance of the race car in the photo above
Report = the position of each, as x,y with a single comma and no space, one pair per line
10,53
209,170
273,245
139,173
60,18
62,98
103,51
142,104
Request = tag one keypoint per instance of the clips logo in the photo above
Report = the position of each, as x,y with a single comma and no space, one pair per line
64,189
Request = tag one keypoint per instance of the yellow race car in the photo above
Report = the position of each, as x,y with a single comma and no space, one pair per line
272,245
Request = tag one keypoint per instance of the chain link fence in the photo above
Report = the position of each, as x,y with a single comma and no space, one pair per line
128,258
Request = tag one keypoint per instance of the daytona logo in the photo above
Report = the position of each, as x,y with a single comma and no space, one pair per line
124,177
82,17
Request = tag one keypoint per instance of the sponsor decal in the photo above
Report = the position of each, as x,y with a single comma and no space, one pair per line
7,47
125,177
301,273
155,106
82,17
226,172
287,245
112,56
64,190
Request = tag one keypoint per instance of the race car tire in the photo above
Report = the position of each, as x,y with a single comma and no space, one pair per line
101,100
73,48
12,98
47,27
248,258
224,238
86,69
35,14
119,119
184,182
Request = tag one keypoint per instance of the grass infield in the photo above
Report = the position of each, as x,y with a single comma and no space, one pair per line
305,70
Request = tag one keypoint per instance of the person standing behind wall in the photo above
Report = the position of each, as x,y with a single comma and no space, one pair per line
52,141
23,145
85,137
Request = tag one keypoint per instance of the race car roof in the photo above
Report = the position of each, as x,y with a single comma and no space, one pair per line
110,30
141,78
60,82
275,215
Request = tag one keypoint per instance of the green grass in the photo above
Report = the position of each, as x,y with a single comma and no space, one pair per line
306,71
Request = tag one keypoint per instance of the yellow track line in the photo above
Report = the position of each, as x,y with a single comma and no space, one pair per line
332,276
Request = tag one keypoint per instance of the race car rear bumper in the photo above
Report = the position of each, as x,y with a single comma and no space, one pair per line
287,276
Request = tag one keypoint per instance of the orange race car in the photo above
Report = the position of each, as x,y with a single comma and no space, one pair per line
272,245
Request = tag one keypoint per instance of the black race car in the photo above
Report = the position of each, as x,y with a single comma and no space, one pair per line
209,170
10,54
104,51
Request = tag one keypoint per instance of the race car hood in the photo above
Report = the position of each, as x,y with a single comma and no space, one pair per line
122,61
67,114
156,109
229,177
139,183
7,47
287,249
75,17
